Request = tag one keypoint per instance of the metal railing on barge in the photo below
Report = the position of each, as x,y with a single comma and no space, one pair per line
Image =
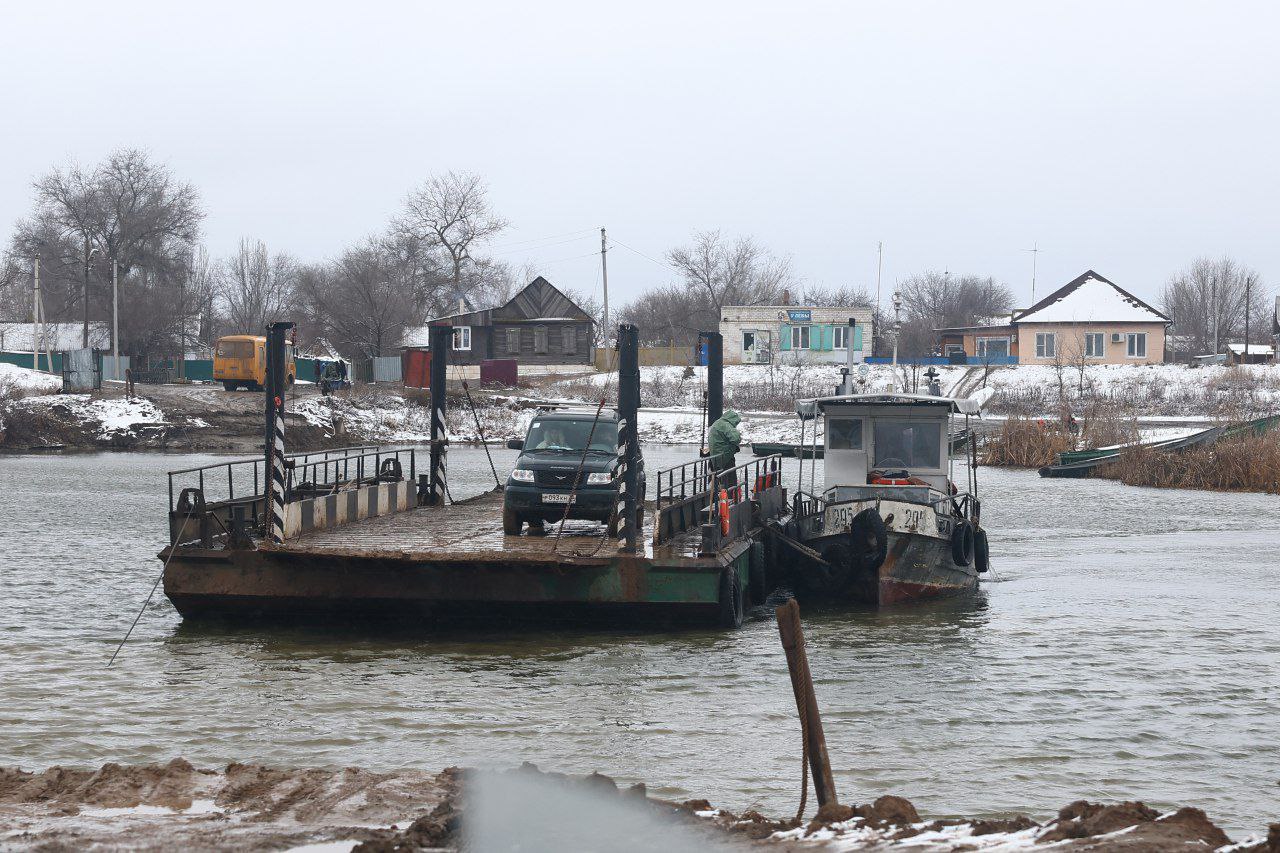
722,503
193,515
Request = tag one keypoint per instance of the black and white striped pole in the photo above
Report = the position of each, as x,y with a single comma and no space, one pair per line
439,341
273,436
628,434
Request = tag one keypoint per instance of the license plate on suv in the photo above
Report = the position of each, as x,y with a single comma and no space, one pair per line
556,498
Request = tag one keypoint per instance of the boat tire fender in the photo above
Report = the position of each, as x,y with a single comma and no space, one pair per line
981,551
962,543
870,538
732,595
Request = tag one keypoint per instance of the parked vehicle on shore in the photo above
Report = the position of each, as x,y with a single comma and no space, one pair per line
240,361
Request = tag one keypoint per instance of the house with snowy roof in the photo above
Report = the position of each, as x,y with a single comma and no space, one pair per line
1090,319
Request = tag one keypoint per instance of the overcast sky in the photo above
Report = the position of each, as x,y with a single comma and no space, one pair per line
1127,138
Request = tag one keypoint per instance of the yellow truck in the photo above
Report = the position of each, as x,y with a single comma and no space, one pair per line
240,361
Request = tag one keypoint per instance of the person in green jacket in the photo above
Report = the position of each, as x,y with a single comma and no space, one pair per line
723,443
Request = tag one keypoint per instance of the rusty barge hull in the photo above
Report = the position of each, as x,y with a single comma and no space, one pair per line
449,563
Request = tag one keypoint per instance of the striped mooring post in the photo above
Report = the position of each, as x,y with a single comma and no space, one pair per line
274,431
628,434
440,340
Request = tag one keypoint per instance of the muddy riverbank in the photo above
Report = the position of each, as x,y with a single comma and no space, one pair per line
254,807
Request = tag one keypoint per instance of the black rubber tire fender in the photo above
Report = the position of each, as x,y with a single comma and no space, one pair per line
981,551
731,598
870,539
962,543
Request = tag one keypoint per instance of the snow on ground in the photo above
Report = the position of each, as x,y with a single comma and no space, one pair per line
110,416
23,381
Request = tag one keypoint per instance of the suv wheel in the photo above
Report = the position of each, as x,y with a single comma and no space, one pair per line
511,522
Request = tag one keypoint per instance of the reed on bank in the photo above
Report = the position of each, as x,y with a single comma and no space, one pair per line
1247,463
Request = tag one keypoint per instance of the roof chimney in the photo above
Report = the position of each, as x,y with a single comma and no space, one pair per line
786,297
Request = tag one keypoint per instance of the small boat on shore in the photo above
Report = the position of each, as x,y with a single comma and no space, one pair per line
1081,463
889,523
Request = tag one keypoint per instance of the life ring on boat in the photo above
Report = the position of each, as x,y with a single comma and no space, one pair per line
962,543
724,513
981,551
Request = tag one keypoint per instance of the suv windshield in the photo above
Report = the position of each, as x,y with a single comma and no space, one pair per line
563,434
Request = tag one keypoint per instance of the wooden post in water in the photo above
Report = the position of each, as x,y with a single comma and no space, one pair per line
792,634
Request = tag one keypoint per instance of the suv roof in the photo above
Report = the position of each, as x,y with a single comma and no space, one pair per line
606,414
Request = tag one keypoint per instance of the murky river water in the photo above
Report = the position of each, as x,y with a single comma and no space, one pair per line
1130,649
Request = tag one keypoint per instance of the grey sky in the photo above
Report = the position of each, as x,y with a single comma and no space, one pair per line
1124,137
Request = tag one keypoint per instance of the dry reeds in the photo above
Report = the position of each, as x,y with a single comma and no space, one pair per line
1248,463
1023,443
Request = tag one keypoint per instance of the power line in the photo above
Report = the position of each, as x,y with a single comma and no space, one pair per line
643,255
540,248
540,239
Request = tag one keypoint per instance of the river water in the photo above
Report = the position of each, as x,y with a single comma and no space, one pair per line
1129,648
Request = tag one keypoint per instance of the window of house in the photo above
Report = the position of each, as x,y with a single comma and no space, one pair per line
844,433
513,341
1137,344
1095,345
570,340
992,347
540,339
800,337
1046,345
462,337
841,337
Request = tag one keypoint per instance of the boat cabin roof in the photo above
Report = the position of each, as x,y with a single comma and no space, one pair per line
809,409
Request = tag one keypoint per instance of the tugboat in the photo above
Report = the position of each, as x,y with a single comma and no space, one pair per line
889,524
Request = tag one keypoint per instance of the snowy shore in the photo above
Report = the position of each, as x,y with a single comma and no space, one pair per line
33,415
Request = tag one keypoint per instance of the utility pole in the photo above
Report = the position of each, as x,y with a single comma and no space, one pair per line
897,327
1248,292
879,267
604,278
115,315
84,343
1035,253
1213,297
35,319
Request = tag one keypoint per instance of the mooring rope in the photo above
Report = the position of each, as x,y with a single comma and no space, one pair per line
573,488
480,432
172,547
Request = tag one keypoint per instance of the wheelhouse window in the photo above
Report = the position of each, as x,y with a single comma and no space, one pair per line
841,337
1046,345
462,337
1137,344
908,444
1095,345
844,433
800,337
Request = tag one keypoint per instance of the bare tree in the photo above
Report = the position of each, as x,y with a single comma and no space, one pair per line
838,297
363,301
933,300
450,218
740,272
126,208
1210,295
255,287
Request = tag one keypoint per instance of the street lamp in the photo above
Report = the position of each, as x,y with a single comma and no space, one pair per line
897,325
